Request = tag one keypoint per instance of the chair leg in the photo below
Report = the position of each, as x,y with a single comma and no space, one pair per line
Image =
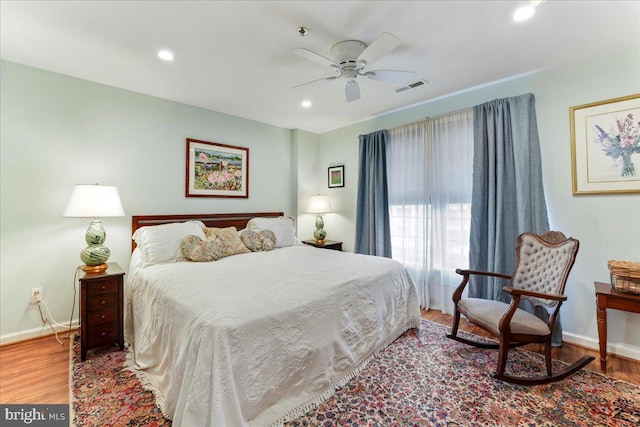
454,334
503,353
456,322
547,356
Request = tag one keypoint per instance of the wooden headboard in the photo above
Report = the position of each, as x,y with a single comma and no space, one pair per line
237,220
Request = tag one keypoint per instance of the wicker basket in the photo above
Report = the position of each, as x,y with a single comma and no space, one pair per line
625,276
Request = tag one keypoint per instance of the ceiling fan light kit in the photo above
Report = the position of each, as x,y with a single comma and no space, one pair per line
349,58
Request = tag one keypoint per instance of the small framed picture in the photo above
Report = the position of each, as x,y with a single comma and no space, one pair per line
336,176
216,170
605,146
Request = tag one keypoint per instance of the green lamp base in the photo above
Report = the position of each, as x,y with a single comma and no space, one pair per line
96,254
320,234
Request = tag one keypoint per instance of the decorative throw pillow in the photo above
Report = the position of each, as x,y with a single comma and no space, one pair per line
232,241
257,241
161,243
196,249
282,227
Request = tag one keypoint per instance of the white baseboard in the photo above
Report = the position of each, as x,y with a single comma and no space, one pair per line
619,349
41,331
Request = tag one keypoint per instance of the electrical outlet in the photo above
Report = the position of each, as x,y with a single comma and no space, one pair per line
36,295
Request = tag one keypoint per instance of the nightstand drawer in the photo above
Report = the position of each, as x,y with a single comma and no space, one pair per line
107,286
101,309
100,317
102,302
104,335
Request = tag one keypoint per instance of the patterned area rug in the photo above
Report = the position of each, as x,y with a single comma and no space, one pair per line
422,379
105,393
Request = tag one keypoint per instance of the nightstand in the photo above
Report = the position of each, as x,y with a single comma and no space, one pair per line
327,244
101,309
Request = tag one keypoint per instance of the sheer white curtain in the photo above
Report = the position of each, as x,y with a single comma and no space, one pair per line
429,167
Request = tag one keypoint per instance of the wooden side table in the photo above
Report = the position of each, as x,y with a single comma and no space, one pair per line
101,309
327,244
607,297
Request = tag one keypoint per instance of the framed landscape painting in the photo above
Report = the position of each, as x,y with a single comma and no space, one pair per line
605,146
216,170
336,176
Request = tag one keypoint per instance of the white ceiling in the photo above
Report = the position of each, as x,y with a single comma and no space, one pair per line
236,57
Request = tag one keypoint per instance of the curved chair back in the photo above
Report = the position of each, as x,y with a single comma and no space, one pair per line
543,264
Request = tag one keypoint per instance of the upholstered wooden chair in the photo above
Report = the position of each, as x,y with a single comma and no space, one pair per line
542,267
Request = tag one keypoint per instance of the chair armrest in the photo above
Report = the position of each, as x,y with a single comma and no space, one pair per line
505,320
457,294
516,291
482,273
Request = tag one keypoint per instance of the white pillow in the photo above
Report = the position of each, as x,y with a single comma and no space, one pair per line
282,227
161,243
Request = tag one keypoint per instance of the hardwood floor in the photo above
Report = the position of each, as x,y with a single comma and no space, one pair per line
37,371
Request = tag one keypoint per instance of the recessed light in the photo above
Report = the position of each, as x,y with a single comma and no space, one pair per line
523,13
306,104
166,55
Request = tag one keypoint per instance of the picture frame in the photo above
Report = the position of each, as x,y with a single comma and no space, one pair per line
216,170
605,146
335,176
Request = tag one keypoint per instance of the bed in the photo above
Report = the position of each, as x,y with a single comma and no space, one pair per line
257,338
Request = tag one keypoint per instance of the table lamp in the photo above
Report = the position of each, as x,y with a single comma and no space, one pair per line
94,201
319,204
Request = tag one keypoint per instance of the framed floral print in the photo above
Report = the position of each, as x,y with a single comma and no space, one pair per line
216,170
336,176
605,146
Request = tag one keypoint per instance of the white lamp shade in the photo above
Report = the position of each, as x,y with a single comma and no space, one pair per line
319,204
94,201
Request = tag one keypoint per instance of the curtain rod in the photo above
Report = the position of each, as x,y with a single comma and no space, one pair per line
434,117
450,112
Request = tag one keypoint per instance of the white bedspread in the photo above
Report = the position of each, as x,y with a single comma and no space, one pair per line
260,338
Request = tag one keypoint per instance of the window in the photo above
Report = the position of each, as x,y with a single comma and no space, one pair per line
408,241
429,166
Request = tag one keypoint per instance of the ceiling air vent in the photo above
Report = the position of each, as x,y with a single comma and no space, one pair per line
412,85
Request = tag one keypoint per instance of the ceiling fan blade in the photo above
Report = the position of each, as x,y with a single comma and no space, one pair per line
314,57
384,44
315,81
352,91
392,76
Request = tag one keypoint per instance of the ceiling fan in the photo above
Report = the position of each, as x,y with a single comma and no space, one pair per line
349,59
